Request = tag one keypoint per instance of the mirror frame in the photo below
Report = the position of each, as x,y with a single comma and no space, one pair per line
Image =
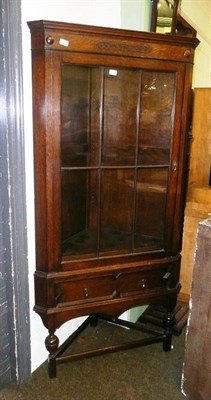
154,16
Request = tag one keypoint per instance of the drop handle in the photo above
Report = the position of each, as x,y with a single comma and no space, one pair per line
174,166
86,292
143,283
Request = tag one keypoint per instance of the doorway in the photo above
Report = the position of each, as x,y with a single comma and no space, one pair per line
14,303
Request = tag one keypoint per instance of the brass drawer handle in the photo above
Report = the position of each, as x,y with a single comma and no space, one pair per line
86,292
143,283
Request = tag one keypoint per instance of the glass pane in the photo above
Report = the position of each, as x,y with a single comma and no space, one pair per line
113,196
121,93
151,191
156,117
80,119
117,194
79,212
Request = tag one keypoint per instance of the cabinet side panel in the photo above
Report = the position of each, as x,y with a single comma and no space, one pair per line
38,73
183,160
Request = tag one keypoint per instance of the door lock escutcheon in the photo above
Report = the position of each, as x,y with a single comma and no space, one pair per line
174,165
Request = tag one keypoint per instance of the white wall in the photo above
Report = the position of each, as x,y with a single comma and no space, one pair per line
198,14
101,12
93,12
135,14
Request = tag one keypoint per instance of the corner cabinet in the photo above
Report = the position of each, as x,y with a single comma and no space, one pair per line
111,114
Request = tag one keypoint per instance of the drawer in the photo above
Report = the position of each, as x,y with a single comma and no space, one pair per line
110,285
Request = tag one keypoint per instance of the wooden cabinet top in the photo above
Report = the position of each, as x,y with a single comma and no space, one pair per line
52,35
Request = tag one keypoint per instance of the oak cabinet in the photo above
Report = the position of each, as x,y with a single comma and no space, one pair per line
111,110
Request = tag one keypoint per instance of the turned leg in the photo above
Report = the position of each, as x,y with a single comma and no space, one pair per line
51,343
168,329
94,320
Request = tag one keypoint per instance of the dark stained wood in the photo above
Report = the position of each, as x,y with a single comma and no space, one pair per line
154,315
110,133
183,27
197,363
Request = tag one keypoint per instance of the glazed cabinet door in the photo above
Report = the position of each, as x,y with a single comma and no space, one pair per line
117,128
117,157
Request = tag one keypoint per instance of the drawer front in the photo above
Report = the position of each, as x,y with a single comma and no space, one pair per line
110,286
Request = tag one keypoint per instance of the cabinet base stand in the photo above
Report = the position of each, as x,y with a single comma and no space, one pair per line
154,336
154,315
